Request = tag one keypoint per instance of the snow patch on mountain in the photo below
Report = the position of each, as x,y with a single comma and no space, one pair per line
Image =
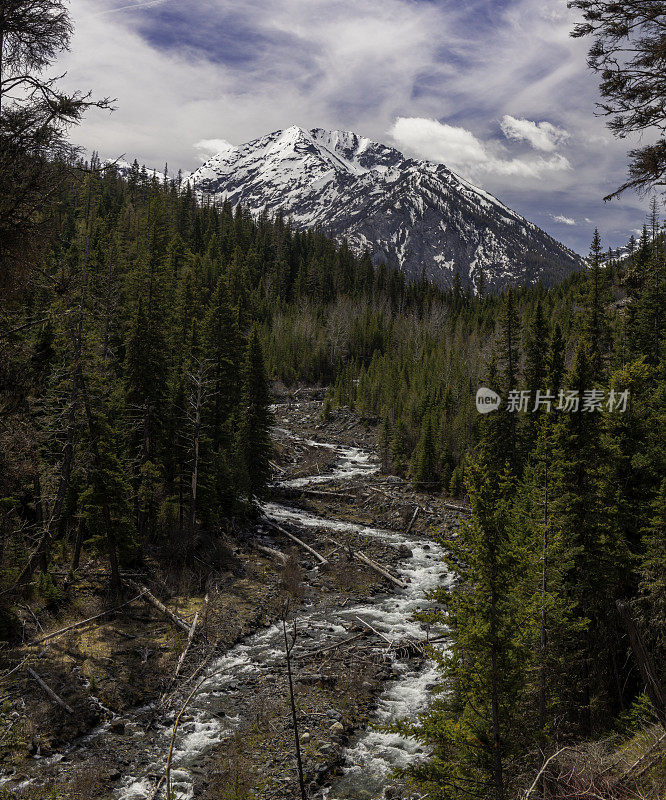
417,215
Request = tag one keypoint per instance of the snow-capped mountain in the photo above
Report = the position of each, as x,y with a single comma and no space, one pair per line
413,214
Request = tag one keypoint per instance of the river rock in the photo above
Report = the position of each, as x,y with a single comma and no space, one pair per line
337,728
117,726
305,738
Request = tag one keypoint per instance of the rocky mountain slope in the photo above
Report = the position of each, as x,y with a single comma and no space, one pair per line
417,215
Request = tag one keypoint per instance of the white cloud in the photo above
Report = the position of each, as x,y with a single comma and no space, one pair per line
460,150
562,219
437,141
360,66
305,62
209,147
541,135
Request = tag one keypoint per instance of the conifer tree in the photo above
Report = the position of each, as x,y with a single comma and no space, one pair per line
223,348
255,418
475,728
581,516
424,461
536,345
595,328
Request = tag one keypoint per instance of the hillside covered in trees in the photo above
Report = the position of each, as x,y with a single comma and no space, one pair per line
145,332
136,398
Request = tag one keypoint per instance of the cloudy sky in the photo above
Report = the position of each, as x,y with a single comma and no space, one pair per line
494,89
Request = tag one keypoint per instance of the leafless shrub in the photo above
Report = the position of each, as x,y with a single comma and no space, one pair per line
292,578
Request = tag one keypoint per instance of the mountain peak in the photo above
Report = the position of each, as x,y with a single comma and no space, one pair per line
416,215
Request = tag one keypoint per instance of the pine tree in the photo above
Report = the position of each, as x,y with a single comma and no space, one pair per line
384,444
501,427
424,470
595,329
653,575
223,348
581,516
475,729
535,374
254,431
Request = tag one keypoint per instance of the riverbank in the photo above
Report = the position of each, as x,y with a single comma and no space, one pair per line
330,496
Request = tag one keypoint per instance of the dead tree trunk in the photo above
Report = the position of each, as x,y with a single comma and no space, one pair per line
195,402
49,691
80,532
653,687
288,647
197,398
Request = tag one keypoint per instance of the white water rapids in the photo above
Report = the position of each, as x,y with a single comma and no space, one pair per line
373,754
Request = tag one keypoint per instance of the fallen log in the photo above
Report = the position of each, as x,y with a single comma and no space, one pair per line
324,493
298,541
409,648
272,553
375,631
49,691
649,752
329,647
190,636
150,598
391,497
461,509
357,554
370,563
84,622
413,520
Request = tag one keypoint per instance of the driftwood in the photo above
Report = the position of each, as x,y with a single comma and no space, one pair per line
190,636
156,789
357,554
329,647
391,497
413,520
375,631
461,509
298,541
324,493
49,691
269,551
149,598
84,621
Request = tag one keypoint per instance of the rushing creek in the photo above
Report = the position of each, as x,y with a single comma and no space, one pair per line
373,753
